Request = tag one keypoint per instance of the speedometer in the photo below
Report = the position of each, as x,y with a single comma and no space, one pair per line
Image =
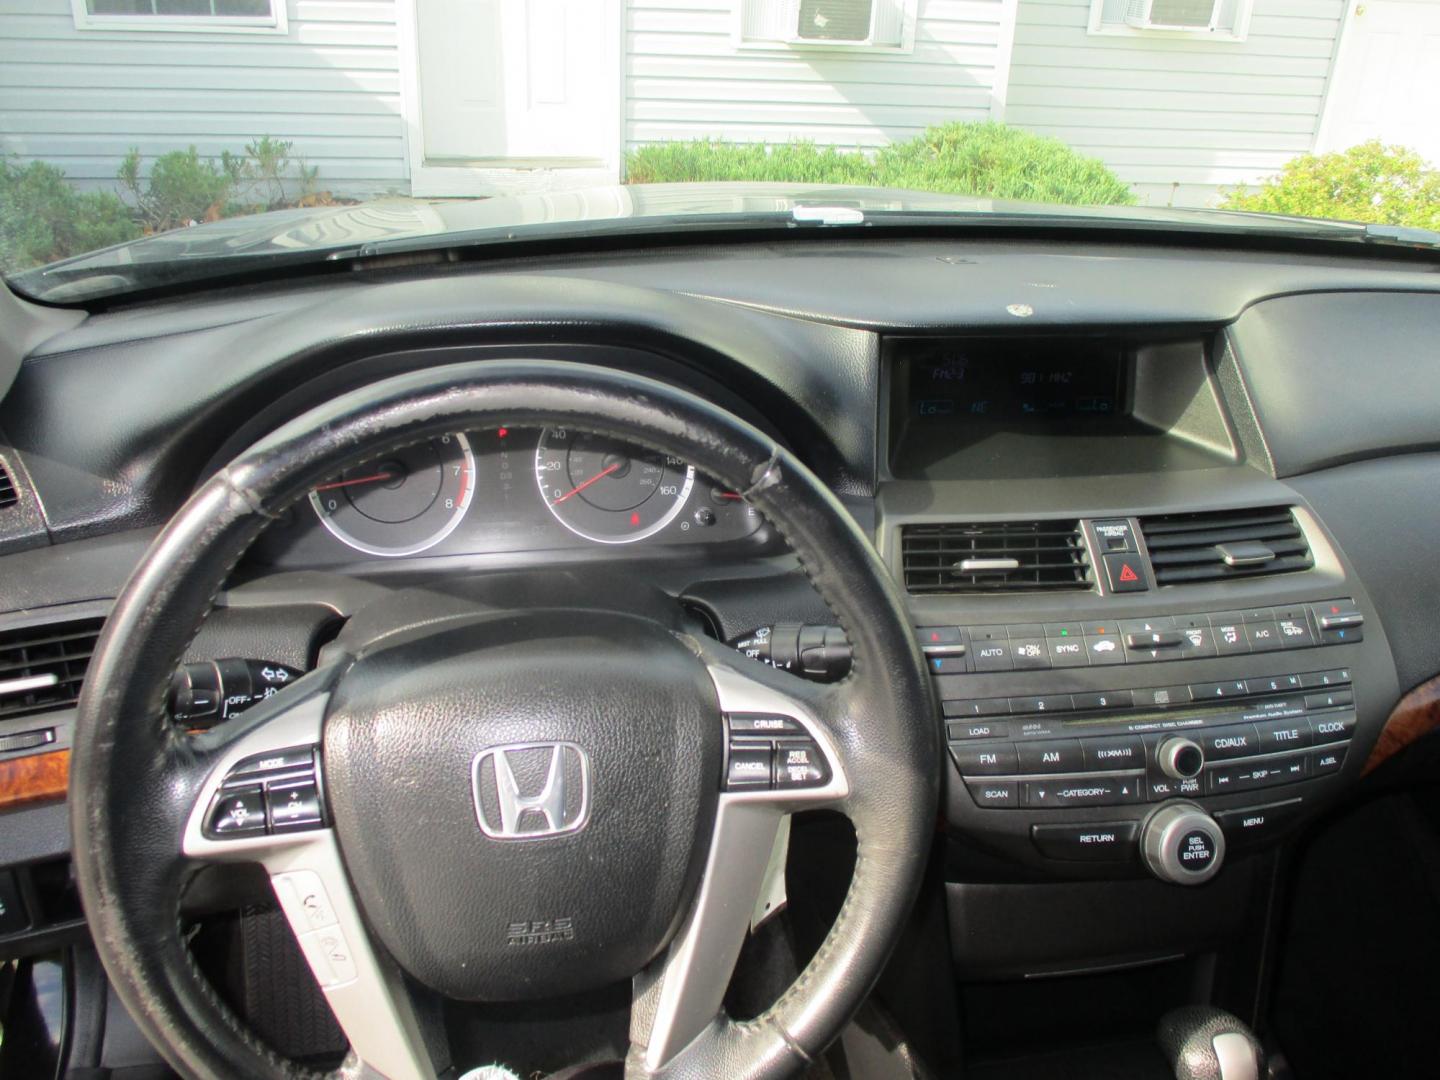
404,503
607,490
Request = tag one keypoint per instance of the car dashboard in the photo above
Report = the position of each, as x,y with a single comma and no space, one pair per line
1162,517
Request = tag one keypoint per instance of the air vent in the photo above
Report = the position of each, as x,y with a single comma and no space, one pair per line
1011,556
8,494
42,667
1225,544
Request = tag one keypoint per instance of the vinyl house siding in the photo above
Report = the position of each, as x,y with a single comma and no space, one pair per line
686,77
1178,118
81,98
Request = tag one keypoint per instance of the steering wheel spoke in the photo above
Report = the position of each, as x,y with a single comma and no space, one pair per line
263,802
769,716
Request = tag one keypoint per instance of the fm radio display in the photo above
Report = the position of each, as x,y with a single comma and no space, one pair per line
997,380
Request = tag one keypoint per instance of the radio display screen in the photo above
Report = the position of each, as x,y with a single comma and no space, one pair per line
1011,382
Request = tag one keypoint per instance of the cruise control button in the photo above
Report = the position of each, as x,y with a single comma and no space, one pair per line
238,812
1089,791
762,725
1327,729
1059,756
978,729
749,767
293,806
994,794
799,764
1116,752
1109,842
1278,735
985,759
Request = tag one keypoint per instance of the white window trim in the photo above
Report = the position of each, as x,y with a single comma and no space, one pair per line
277,22
1238,34
907,38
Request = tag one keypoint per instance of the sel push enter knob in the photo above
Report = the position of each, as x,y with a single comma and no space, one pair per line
1182,844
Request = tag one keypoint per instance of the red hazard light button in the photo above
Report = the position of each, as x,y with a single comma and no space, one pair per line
1126,573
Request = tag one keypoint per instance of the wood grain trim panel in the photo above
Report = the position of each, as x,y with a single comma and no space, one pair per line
34,778
1417,714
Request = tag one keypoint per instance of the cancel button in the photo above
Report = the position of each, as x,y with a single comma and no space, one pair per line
1113,841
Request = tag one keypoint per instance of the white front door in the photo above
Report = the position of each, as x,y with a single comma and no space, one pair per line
515,95
1386,83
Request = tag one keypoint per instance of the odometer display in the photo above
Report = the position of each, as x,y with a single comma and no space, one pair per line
606,490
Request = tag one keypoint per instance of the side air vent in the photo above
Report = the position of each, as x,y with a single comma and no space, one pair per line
1011,556
42,667
1225,544
8,495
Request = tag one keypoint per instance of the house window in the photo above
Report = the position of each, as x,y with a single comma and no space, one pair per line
204,16
836,25
1199,20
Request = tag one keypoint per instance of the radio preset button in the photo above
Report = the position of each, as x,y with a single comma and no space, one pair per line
997,706
1318,679
1048,703
1330,699
1106,699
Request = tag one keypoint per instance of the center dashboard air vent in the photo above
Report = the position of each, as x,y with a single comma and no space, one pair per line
1008,556
42,667
1186,548
8,495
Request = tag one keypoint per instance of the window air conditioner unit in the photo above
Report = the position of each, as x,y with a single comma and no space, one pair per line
1196,16
834,22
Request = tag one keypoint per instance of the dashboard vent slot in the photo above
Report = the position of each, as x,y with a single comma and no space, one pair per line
43,667
1010,556
8,495
1185,548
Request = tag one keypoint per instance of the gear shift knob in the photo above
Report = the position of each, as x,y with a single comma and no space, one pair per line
1205,1043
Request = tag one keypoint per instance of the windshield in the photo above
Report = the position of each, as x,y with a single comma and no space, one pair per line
149,142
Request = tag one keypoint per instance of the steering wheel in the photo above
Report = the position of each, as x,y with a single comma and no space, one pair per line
503,805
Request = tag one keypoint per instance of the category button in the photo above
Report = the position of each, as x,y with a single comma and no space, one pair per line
1087,791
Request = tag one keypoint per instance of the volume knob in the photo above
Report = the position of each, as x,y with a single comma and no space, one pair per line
1182,844
1180,758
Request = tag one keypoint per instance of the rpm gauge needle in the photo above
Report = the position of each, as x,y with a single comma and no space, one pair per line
372,479
594,479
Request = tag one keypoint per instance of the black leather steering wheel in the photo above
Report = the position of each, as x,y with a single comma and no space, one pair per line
656,883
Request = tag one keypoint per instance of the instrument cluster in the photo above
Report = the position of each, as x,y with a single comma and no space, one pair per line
508,490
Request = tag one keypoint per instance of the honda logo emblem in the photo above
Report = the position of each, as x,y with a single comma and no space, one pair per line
529,791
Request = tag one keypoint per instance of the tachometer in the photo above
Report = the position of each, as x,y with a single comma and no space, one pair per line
404,503
607,490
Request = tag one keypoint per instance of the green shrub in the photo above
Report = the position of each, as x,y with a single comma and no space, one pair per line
988,160
184,188
43,218
1384,185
